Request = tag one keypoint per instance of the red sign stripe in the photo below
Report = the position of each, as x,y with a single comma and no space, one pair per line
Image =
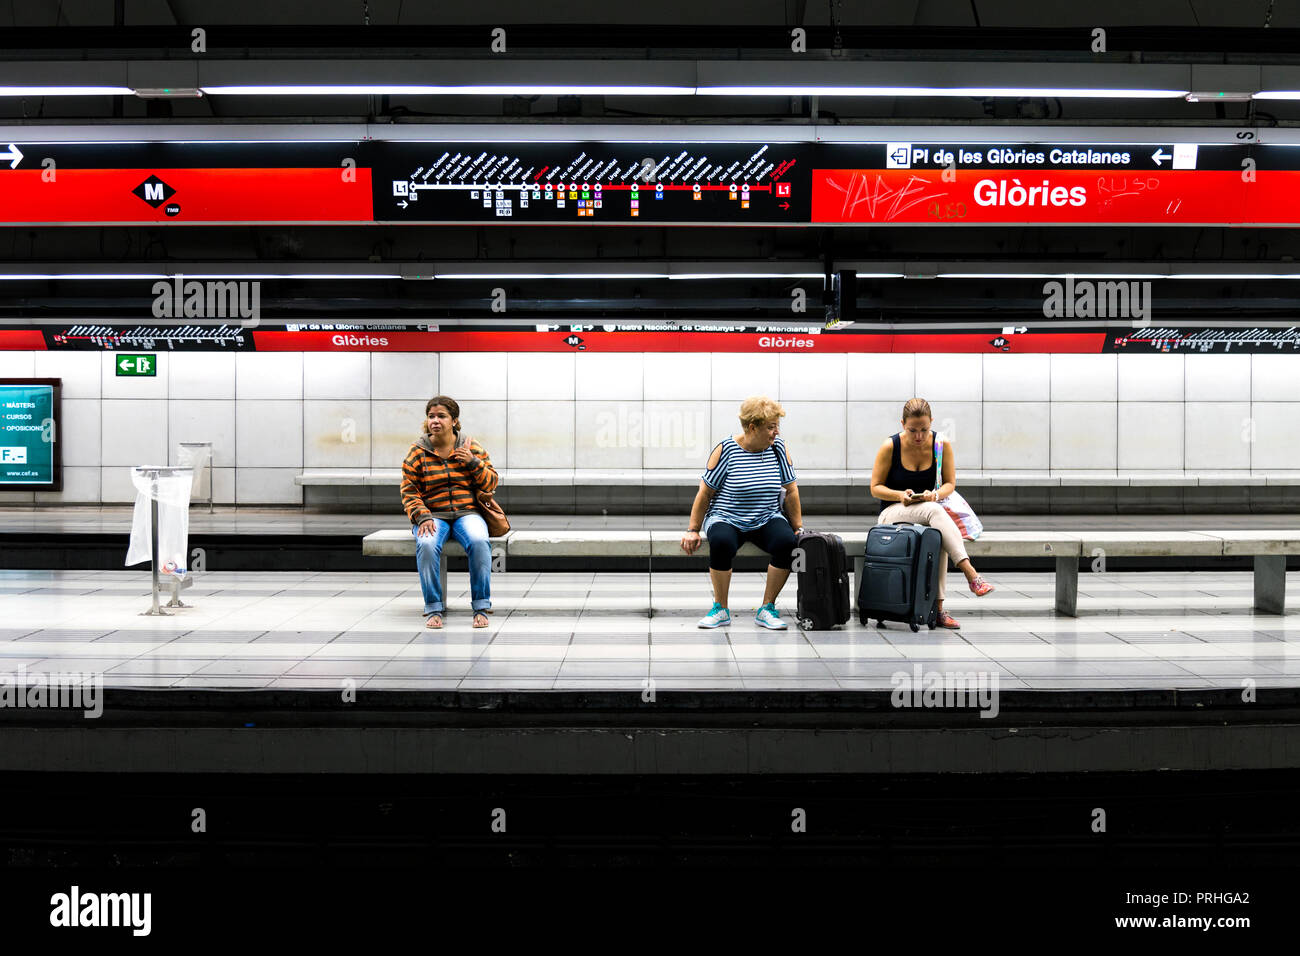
203,195
790,343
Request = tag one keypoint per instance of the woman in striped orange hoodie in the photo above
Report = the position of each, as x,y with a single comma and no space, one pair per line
442,476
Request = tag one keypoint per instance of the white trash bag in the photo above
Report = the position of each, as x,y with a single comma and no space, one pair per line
172,491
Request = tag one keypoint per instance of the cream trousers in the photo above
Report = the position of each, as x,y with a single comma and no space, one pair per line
930,513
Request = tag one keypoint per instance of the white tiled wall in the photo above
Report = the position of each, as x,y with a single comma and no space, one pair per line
272,415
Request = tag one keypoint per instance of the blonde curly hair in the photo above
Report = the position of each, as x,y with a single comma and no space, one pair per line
758,409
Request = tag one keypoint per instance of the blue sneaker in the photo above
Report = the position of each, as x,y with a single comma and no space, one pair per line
768,617
717,616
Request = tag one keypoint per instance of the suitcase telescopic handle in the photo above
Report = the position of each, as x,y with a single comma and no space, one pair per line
929,564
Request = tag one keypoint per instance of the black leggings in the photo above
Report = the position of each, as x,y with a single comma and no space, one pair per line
776,538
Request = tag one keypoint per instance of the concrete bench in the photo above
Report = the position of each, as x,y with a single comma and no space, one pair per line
1268,548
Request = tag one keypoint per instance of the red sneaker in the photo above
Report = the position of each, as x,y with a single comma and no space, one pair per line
979,587
947,620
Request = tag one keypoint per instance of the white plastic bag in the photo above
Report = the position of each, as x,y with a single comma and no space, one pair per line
959,510
172,492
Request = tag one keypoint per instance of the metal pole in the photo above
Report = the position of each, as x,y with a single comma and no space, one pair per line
155,610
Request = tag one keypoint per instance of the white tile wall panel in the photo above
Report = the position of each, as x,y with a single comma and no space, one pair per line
273,375
949,378
1217,435
539,376
1017,378
1151,378
472,375
334,376
393,426
882,377
268,434
963,424
1275,378
540,434
1084,378
611,434
678,376
1017,436
488,424
267,486
868,425
202,420
678,434
17,364
81,423
807,378
606,376
133,432
206,375
404,376
1277,436
815,434
736,376
1217,378
336,434
1084,436
80,372
80,486
1151,436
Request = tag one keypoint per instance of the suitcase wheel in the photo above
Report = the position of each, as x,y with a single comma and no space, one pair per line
914,626
880,624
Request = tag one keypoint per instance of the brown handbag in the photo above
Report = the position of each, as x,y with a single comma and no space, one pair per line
494,517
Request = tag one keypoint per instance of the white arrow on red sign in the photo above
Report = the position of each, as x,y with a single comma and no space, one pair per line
14,155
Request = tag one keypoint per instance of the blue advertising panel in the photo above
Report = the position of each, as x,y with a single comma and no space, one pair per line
29,434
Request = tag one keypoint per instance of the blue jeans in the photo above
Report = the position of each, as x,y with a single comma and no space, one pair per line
472,533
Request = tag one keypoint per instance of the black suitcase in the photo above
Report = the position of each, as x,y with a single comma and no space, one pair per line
900,578
823,582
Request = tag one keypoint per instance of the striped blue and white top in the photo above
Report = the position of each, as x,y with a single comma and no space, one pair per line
748,485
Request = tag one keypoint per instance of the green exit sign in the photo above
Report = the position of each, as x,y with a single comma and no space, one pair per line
136,365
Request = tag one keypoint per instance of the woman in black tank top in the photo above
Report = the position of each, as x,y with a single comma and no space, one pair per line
913,494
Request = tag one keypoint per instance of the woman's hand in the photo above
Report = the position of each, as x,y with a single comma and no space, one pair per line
463,455
930,495
691,542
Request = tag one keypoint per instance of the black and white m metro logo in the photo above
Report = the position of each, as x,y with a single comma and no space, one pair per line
154,191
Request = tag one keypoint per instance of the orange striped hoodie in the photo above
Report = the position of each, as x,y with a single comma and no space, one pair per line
443,488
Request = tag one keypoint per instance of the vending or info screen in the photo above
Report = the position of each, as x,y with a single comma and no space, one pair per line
27,435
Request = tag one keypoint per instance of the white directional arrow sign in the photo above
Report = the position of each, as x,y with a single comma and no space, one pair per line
126,364
1009,329
14,155
1160,156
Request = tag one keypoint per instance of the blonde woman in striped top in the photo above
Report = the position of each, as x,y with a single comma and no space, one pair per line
740,500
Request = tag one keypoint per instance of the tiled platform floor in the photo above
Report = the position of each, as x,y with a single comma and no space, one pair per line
576,631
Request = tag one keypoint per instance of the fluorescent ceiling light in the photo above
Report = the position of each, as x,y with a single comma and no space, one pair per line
1050,275
968,91
167,93
747,275
513,89
222,276
551,275
80,275
1277,95
1235,275
65,91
